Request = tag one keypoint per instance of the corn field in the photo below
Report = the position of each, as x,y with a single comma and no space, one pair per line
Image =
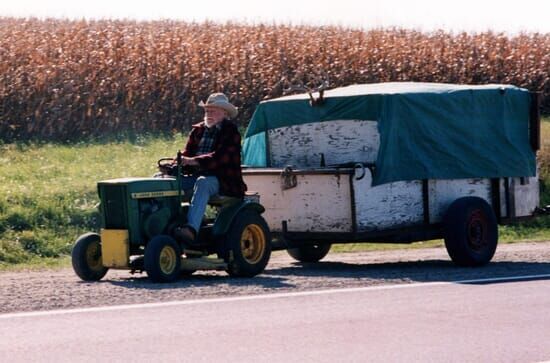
66,80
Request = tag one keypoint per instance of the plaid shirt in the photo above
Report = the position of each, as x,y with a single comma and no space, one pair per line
208,139
224,158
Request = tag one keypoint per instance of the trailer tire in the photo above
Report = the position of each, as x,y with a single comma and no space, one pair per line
470,231
310,253
86,257
163,259
247,245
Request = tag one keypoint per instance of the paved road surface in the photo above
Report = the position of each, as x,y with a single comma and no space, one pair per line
62,289
502,321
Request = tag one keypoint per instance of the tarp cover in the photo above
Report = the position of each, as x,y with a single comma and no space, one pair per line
427,130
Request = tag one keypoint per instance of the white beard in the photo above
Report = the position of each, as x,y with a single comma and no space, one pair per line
210,124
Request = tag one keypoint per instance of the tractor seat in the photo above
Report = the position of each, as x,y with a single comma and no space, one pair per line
224,200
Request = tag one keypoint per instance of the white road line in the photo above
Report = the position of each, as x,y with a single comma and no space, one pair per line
265,296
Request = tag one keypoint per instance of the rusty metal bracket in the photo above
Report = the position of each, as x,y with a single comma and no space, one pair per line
288,179
313,101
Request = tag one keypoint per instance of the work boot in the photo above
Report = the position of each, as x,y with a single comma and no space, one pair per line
185,235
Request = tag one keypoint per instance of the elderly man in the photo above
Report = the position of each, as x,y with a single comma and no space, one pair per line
214,146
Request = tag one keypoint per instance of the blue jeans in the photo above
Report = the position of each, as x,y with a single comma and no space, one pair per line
202,187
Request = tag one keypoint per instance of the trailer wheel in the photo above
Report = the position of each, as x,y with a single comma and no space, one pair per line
162,259
247,245
86,257
471,232
310,253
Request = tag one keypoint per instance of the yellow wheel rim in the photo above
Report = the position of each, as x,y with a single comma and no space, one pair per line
253,243
167,260
93,256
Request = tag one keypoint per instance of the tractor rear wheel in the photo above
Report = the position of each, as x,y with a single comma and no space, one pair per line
86,257
163,259
310,253
247,246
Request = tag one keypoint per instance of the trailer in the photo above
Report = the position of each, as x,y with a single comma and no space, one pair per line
395,162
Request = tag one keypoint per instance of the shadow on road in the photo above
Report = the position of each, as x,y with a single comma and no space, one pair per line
415,271
295,274
199,280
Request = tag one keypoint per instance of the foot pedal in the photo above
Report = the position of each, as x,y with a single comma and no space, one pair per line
193,253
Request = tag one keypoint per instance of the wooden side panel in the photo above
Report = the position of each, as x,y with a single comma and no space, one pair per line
318,203
442,192
385,206
526,195
340,142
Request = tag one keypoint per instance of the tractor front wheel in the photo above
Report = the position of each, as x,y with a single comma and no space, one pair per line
86,257
162,259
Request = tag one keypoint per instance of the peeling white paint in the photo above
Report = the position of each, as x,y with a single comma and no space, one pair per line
388,205
443,192
340,142
318,203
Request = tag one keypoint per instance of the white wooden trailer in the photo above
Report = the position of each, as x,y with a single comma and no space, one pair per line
318,187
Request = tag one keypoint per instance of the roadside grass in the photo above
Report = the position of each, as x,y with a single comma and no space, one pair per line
49,195
49,191
37,263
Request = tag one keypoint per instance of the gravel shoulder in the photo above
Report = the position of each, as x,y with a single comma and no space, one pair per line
61,289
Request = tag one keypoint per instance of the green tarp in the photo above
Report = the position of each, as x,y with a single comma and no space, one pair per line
427,131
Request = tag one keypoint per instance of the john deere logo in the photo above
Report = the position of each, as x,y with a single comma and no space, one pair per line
167,193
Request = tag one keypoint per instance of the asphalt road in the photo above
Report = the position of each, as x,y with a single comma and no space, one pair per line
22,291
488,321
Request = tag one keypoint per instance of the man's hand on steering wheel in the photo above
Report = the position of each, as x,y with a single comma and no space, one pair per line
169,166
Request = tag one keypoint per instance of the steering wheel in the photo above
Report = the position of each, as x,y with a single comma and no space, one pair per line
167,165
165,162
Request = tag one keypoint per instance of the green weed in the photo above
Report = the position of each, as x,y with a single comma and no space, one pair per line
50,195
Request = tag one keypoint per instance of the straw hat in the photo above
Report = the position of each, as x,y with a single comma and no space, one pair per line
220,100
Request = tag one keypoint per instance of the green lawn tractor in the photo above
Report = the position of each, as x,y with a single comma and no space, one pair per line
139,215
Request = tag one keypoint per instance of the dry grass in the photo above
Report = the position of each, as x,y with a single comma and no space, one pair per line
70,79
